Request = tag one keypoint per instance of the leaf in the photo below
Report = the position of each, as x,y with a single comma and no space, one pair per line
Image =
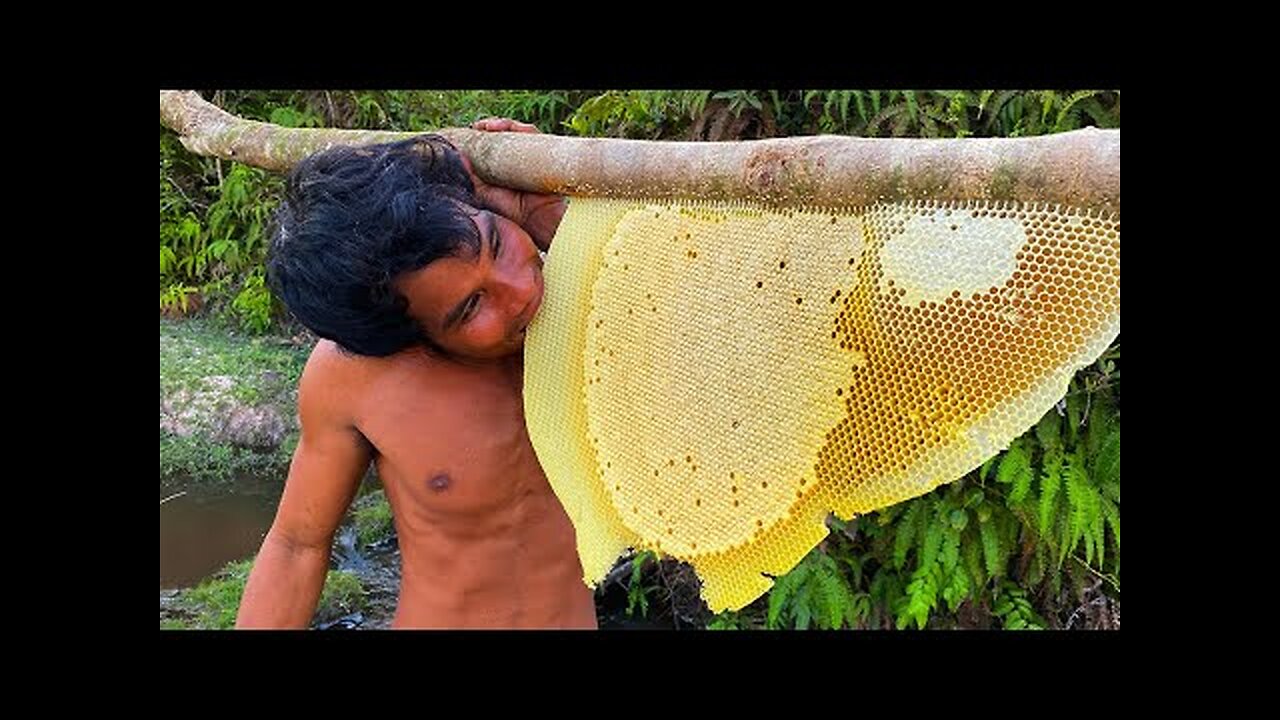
906,534
931,542
1071,101
986,466
1075,410
1015,468
971,552
1049,430
1107,464
991,549
1111,514
983,97
949,555
956,591
1102,420
1050,479
1080,499
922,597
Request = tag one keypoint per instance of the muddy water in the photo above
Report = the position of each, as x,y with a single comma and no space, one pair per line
204,526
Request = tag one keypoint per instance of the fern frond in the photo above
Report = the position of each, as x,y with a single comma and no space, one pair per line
1083,508
784,590
873,127
922,598
997,104
1111,514
991,548
931,539
906,535
957,590
803,608
1049,430
862,110
949,555
1050,480
1107,465
1039,564
1102,420
986,466
971,551
1068,108
1101,117
834,596
1015,468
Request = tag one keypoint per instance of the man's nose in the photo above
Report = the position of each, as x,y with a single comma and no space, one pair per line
518,290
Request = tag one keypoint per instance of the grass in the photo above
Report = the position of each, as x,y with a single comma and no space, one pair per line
262,368
213,604
206,369
373,518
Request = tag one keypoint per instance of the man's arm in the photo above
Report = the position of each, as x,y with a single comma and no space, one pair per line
331,459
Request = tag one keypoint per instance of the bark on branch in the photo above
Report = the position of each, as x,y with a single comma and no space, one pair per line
1079,168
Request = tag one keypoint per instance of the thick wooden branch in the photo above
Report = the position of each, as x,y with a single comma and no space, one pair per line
1080,168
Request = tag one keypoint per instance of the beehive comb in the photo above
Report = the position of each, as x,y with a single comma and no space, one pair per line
708,380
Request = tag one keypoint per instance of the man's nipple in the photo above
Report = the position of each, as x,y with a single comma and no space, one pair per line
439,483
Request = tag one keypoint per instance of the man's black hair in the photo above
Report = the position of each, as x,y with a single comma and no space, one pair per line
355,218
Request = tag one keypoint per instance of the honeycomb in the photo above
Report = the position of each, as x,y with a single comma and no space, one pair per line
710,380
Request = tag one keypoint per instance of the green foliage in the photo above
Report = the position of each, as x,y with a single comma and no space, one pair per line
816,593
730,620
253,303
1013,607
213,236
636,113
638,590
206,461
373,518
213,604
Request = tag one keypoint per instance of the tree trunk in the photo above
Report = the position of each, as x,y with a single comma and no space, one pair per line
1080,168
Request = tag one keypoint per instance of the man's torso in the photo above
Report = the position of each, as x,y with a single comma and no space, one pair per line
484,541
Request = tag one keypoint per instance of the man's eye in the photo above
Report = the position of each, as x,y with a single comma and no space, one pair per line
471,307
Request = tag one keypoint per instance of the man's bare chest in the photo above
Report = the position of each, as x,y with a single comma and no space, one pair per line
451,444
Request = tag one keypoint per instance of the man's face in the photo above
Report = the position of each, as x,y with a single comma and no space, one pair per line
477,306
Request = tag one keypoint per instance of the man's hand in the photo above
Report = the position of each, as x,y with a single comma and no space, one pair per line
539,214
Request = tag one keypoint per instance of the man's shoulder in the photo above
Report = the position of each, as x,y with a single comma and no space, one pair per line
330,361
331,366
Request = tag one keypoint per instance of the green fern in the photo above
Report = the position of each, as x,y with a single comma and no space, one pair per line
908,529
1015,469
1015,610
922,597
1049,430
991,552
930,537
1083,509
957,590
1050,481
815,592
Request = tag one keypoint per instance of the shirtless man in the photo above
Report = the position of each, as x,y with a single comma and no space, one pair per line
421,280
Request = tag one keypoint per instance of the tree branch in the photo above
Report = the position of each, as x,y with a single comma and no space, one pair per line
1080,168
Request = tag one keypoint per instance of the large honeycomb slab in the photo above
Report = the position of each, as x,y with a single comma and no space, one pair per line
710,380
